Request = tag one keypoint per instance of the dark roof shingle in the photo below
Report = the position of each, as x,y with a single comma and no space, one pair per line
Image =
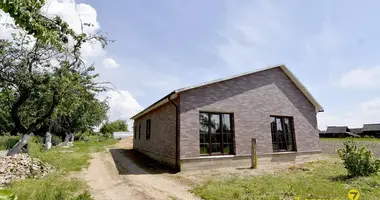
371,127
356,130
337,129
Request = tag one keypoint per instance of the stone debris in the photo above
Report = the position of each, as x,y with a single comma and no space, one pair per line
66,144
22,166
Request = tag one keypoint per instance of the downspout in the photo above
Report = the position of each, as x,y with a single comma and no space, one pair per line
177,165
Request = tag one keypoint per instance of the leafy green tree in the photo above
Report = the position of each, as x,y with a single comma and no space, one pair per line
117,126
32,86
6,97
79,113
40,85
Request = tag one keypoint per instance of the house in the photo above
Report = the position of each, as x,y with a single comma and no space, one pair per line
212,124
119,135
371,130
338,132
357,131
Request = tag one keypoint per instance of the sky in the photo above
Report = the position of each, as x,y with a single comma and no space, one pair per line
159,46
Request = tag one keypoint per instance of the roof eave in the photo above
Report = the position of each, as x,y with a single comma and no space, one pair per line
155,105
295,80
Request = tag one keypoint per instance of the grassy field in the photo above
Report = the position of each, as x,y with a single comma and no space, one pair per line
6,142
330,145
58,185
70,159
315,180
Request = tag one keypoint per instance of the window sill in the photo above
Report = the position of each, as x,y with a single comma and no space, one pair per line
215,156
284,152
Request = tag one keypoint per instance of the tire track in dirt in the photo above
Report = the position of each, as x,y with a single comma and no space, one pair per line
106,181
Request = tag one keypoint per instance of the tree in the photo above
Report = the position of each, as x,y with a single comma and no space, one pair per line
116,126
40,67
6,96
79,113
38,84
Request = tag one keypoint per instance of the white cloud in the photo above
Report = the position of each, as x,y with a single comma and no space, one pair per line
122,106
74,14
366,113
6,31
110,63
361,78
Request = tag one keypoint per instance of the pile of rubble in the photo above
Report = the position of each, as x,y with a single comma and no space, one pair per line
21,166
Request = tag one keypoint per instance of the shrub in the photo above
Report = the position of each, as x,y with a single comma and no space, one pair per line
358,162
7,142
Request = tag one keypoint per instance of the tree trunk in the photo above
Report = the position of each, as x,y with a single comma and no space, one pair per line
67,138
72,135
48,141
20,145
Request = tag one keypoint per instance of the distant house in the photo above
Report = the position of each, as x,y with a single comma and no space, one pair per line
338,132
321,133
371,130
212,124
357,131
120,135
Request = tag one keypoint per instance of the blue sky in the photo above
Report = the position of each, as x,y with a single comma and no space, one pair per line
331,46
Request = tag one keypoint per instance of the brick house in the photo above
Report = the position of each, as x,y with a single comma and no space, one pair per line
212,124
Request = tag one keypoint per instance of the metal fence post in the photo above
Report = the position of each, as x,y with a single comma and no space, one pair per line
253,154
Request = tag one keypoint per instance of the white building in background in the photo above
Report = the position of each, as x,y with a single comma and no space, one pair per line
118,135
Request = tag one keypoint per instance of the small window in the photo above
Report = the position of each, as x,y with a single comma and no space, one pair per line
139,131
283,138
148,129
134,132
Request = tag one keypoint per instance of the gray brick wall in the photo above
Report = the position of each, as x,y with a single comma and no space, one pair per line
162,137
252,99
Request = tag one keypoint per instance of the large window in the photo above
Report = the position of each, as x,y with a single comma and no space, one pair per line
282,134
215,133
148,129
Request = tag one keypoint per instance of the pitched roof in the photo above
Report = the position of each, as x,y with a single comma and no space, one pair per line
292,77
371,127
337,129
356,130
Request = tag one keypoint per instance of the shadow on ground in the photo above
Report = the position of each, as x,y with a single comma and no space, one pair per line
129,162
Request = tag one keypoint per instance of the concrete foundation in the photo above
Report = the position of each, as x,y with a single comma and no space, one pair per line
244,161
164,159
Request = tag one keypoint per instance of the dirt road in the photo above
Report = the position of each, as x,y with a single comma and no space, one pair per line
115,175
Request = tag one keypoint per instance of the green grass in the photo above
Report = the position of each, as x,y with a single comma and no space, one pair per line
53,187
351,138
58,186
322,179
7,142
70,159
